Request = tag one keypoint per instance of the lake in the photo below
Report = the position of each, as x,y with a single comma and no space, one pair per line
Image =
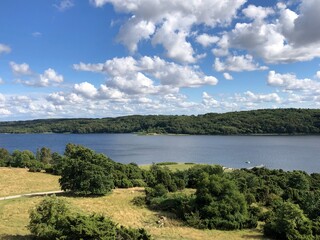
285,152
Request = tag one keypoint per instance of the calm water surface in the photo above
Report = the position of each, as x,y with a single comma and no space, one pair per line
286,152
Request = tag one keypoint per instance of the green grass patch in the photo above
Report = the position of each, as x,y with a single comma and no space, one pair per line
166,163
173,167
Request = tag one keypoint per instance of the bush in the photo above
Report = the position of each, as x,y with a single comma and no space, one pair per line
178,203
139,201
220,204
288,222
35,166
138,183
125,183
49,219
193,219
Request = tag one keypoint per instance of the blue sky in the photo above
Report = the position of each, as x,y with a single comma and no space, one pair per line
101,58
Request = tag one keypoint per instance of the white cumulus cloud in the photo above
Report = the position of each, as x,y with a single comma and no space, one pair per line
64,5
20,69
86,89
208,100
135,76
169,23
289,81
227,76
257,13
237,64
48,78
4,48
271,97
287,36
206,40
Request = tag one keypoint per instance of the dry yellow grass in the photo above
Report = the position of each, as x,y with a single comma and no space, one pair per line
14,215
15,181
119,207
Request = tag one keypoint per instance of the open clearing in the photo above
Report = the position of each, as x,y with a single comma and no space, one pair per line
14,181
172,167
14,214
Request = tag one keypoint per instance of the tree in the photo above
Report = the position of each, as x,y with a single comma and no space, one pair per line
21,158
44,155
288,222
86,173
298,180
220,204
58,163
4,157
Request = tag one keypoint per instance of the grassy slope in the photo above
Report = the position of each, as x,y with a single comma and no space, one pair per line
14,181
14,214
179,166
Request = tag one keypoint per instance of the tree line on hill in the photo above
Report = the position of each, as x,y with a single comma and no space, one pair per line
288,203
267,121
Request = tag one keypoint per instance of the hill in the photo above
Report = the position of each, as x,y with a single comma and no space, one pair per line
14,214
266,121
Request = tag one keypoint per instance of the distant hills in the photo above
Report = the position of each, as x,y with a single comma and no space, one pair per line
266,121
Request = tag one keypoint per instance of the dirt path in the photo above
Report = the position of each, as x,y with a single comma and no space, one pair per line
30,195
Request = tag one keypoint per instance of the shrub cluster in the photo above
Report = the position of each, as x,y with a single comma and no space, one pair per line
53,218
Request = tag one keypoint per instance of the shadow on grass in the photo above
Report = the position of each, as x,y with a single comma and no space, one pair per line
15,237
257,234
253,236
66,194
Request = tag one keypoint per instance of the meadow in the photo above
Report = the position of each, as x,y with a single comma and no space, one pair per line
14,214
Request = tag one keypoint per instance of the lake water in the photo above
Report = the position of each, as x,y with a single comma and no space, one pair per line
285,152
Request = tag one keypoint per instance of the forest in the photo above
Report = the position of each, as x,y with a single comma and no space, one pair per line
286,204
265,121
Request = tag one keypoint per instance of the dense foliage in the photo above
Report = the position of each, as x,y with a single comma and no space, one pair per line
86,172
53,218
288,202
271,121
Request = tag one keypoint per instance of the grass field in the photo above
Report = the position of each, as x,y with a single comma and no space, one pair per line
15,181
14,213
172,167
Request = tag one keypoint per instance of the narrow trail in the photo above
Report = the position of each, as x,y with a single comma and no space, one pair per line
31,195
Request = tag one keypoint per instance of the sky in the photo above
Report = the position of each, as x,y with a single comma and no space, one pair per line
107,58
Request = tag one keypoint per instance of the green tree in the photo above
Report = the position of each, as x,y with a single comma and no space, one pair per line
21,158
220,204
4,157
45,155
86,173
288,221
58,163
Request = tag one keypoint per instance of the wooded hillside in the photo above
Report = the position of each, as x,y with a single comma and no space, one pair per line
268,121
